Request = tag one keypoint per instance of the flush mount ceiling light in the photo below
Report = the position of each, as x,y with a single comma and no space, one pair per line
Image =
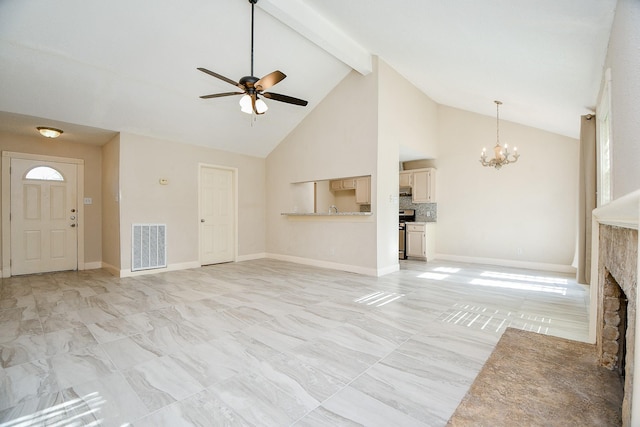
501,155
49,132
253,87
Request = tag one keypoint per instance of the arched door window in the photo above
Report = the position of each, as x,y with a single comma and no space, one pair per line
44,173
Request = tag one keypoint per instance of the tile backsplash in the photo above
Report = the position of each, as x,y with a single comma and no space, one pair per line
425,212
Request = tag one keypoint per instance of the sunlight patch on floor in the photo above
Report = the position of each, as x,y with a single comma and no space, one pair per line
494,320
450,270
378,299
70,413
525,277
520,286
433,276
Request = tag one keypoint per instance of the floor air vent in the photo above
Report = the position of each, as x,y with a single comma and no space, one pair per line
148,246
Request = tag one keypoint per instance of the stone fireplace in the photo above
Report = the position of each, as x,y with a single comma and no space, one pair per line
614,296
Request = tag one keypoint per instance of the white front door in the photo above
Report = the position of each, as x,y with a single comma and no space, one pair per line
44,216
217,215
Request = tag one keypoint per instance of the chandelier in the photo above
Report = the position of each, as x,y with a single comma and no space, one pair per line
501,155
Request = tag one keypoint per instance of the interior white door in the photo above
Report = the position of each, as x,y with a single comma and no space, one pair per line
44,216
217,215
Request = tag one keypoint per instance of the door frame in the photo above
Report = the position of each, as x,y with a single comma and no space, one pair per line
6,203
234,190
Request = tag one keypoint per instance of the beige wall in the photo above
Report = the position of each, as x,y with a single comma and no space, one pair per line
111,205
92,156
356,130
524,212
144,161
406,117
623,57
337,139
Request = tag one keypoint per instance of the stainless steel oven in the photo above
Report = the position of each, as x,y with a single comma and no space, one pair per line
402,240
405,215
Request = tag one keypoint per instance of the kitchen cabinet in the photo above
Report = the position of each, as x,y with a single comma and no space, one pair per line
406,178
422,183
420,240
423,187
363,190
343,184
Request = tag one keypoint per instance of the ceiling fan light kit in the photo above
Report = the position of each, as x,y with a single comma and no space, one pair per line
501,155
253,87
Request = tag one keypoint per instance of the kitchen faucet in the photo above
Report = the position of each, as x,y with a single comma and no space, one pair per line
334,208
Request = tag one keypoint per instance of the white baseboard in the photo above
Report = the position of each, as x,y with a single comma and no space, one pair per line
325,264
556,268
111,269
250,257
92,265
170,267
388,270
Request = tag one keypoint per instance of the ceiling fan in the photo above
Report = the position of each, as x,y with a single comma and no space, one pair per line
253,87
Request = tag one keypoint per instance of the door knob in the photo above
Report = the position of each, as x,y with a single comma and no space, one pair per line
202,220
73,225
73,210
72,217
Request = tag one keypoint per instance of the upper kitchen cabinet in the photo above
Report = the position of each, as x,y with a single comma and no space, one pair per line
363,190
424,186
346,188
422,183
406,178
343,184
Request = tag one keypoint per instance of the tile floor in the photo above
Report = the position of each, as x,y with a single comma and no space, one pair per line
264,343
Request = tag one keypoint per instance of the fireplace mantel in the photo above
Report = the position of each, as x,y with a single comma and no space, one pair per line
623,212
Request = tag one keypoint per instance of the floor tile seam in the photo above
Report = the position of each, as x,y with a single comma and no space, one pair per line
293,397
348,384
126,377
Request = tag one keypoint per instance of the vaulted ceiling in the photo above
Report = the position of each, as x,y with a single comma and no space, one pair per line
130,66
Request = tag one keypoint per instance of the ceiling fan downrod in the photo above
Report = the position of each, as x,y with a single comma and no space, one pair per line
253,4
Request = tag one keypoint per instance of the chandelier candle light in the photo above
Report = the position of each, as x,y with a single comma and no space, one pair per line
501,155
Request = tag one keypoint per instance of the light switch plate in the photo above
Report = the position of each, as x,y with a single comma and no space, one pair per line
88,201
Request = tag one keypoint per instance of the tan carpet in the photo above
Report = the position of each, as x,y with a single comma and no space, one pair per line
537,380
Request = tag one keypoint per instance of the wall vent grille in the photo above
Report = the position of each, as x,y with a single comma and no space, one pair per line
148,246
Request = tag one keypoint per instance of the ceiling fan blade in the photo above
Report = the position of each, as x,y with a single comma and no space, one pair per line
218,95
285,98
269,80
218,76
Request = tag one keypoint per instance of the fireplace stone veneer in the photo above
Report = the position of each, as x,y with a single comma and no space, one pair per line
617,279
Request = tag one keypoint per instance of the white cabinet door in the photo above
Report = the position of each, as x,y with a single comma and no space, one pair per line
420,187
416,240
424,188
416,244
363,190
405,179
349,184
